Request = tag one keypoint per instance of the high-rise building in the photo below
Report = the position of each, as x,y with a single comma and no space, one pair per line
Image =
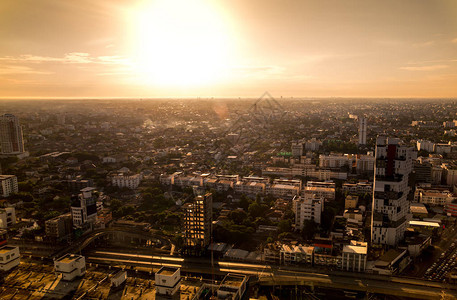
8,185
11,135
394,163
197,224
84,208
297,149
308,207
362,131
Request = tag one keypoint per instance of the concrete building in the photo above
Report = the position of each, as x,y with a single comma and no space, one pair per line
334,161
327,193
198,224
8,185
131,181
362,131
11,135
309,207
354,256
9,257
423,172
425,145
434,196
59,227
284,191
70,266
297,149
119,278
351,201
394,163
7,217
296,254
233,286
168,281
84,208
365,164
313,145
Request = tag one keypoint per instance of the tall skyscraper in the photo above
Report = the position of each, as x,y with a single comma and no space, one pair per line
197,224
11,135
394,163
362,131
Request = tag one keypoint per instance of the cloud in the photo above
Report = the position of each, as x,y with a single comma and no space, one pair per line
425,68
424,44
68,58
259,69
8,70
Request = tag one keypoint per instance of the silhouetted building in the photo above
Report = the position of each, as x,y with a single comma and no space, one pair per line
11,135
197,224
59,227
362,131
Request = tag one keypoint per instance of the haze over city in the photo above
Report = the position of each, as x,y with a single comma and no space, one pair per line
243,149
177,48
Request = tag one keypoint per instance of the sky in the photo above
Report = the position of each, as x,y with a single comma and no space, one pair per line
236,48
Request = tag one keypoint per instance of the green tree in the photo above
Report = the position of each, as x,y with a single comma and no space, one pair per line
309,229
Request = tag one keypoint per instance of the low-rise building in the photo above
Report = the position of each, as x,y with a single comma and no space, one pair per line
7,217
168,281
131,181
119,278
232,286
70,266
354,256
9,257
392,262
292,254
351,201
434,196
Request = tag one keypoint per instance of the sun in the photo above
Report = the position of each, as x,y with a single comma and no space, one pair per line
180,43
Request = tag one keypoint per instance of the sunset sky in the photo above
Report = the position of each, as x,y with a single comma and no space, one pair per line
232,48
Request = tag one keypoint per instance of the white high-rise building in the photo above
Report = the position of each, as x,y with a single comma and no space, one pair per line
308,207
11,135
362,131
8,185
84,208
394,163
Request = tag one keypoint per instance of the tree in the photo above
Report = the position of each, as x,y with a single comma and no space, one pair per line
327,219
244,202
257,210
285,226
238,216
309,229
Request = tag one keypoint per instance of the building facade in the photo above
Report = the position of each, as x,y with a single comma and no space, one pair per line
394,163
8,185
84,208
362,131
308,207
11,135
197,224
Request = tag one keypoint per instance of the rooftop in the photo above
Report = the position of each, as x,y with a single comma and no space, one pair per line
167,271
68,258
6,249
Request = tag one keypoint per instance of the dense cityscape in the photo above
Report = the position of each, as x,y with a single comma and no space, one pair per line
257,198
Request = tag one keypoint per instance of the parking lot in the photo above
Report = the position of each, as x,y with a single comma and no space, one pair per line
443,265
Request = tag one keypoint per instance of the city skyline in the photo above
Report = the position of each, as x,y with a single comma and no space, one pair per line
152,49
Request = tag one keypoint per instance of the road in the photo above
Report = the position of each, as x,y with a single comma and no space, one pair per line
271,275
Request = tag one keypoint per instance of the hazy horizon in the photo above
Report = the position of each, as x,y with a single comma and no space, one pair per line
178,48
